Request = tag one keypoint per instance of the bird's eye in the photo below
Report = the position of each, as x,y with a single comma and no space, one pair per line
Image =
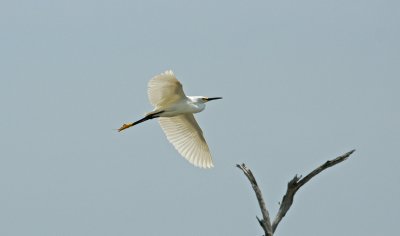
204,99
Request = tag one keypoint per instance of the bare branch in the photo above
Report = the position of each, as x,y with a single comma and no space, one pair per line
265,222
324,166
293,186
297,182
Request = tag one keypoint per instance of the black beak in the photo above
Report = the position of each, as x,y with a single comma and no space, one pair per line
215,98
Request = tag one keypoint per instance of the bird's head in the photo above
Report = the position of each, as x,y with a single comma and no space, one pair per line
202,99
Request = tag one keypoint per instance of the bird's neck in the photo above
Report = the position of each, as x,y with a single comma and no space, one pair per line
197,106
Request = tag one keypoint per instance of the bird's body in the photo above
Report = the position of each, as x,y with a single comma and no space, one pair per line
174,111
187,105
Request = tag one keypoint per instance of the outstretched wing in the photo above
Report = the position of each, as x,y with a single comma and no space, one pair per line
164,89
187,137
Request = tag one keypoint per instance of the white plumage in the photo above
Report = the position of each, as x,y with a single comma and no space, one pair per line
165,89
187,137
175,112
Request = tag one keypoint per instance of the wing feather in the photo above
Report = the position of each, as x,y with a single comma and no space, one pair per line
187,137
164,89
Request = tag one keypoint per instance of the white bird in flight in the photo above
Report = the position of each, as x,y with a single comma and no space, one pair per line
174,111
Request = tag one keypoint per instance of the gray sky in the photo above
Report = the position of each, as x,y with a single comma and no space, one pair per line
302,81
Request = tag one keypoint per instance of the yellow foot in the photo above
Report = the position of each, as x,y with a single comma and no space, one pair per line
125,126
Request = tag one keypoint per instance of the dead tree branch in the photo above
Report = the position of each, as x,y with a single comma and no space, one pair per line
293,186
265,222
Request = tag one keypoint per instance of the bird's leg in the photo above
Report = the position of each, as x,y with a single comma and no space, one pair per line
148,117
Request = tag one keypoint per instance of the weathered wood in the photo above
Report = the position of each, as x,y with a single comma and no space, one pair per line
292,187
265,222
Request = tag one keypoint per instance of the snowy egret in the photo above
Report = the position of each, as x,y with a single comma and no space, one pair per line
174,111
